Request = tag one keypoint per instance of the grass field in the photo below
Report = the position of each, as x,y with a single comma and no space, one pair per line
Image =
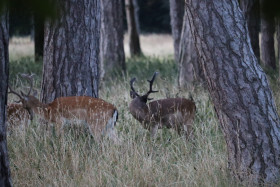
41,158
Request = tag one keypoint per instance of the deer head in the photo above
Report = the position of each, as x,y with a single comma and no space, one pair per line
177,113
28,101
144,98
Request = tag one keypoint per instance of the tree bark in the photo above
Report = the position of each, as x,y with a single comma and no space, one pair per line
136,15
251,10
267,41
278,44
239,89
176,18
112,56
133,35
5,175
71,51
189,69
39,37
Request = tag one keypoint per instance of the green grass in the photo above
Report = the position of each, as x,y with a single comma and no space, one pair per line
42,158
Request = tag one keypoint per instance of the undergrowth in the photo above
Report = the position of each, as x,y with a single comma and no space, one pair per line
40,157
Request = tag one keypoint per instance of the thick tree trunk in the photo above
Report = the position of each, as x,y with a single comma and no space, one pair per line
71,51
176,18
39,37
267,41
5,176
189,69
251,9
133,35
239,89
112,56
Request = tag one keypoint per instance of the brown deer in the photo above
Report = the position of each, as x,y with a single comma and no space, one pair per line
99,116
176,113
16,116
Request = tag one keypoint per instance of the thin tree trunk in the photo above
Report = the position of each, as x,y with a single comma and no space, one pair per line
136,15
176,18
251,9
239,89
39,37
71,51
189,69
267,41
111,43
133,35
278,44
5,175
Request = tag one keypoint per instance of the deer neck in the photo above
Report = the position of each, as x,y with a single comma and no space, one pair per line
34,106
139,110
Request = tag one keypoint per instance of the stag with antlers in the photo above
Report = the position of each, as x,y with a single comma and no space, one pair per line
176,113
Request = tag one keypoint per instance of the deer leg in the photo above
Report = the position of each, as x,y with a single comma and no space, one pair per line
153,130
187,130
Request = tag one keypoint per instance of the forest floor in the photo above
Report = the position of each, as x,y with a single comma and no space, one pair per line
42,158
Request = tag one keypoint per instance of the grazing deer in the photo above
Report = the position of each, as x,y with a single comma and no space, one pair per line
177,113
99,115
16,115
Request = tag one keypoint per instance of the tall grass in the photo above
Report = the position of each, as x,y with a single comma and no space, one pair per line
40,157
43,158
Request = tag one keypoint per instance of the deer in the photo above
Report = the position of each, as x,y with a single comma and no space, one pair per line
175,113
16,115
98,115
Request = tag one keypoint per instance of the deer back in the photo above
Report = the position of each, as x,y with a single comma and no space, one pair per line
171,110
94,111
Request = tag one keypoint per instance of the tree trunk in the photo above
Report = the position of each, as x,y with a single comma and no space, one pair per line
239,89
278,44
176,17
39,37
136,15
189,69
71,51
5,175
267,41
133,35
251,10
111,43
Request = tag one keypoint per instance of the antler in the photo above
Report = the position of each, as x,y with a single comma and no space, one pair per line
14,92
133,92
30,79
151,85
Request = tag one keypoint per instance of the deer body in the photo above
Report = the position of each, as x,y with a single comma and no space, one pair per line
98,115
176,113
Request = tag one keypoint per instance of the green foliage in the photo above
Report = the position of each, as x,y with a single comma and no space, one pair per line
144,67
158,10
46,8
24,65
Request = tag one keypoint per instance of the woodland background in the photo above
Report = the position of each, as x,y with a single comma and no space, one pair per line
41,158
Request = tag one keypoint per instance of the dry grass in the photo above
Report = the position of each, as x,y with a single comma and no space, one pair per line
160,45
21,47
42,158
